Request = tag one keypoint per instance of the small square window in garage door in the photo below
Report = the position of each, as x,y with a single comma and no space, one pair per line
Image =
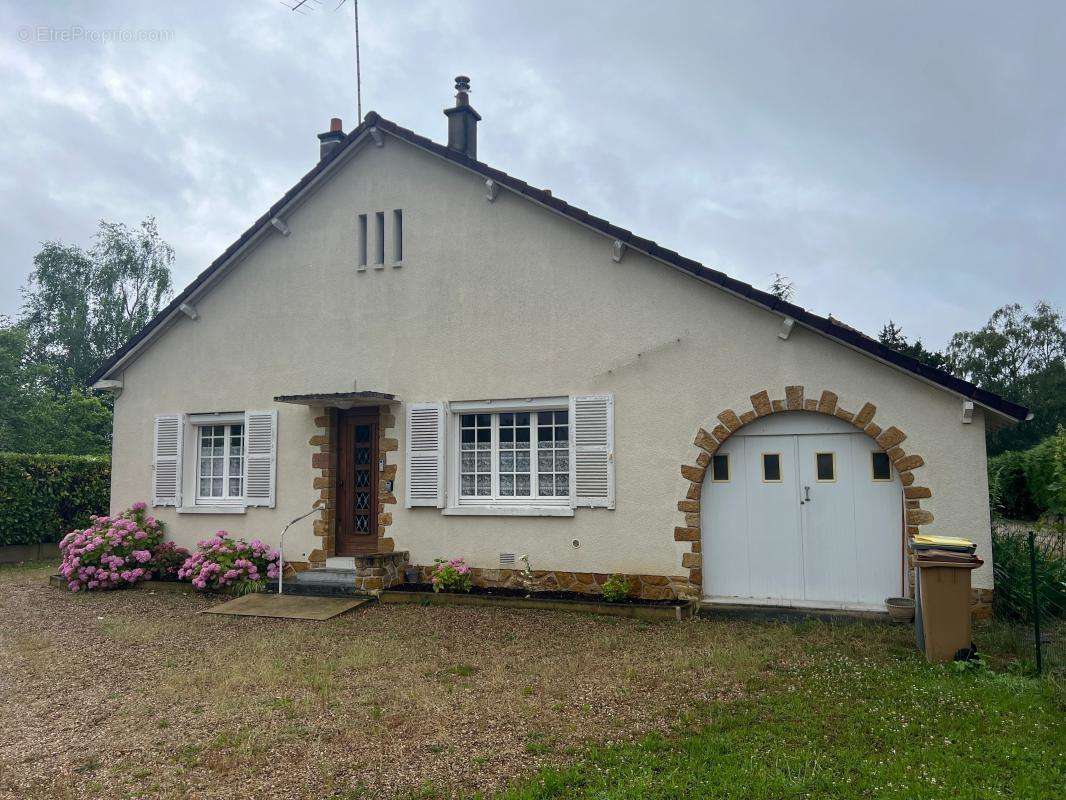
771,467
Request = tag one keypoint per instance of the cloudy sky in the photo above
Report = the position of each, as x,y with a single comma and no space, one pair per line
894,159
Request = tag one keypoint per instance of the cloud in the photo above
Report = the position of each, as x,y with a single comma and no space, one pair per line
897,160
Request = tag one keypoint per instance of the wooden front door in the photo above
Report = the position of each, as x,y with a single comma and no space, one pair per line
357,482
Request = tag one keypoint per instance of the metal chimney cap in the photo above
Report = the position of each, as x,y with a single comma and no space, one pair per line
462,83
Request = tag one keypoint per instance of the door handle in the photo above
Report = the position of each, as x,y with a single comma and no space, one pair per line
807,494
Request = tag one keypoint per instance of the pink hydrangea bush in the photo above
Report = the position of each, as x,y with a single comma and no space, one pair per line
225,561
451,575
112,552
167,561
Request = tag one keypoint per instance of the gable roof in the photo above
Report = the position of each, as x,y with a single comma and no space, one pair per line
374,123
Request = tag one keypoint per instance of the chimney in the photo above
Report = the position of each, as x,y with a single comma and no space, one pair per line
331,139
462,120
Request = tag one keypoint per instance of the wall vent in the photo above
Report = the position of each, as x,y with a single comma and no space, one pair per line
506,560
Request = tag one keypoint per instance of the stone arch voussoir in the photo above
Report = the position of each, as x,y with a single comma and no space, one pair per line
890,439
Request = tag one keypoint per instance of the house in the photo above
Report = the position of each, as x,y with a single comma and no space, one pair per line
452,362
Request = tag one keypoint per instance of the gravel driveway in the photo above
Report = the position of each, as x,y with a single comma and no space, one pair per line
133,694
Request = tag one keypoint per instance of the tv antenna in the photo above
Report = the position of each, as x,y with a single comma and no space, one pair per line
305,6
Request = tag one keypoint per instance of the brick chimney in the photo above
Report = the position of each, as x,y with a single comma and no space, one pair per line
331,139
462,120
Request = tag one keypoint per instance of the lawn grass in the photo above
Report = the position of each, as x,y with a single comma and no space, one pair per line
844,725
134,694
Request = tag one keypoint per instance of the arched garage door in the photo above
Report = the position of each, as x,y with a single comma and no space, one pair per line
801,510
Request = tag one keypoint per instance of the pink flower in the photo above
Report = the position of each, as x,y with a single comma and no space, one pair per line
139,506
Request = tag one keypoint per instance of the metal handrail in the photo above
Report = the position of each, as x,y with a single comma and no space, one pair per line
281,545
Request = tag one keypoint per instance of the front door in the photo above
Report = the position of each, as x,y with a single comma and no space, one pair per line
357,482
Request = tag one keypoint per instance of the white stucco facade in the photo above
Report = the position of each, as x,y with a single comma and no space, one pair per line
503,299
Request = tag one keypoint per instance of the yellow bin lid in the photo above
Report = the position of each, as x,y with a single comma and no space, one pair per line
943,541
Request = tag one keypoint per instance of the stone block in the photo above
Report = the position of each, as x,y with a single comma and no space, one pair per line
794,398
907,463
691,560
688,506
827,404
706,442
919,516
866,413
730,419
686,534
694,474
917,492
810,404
891,437
761,403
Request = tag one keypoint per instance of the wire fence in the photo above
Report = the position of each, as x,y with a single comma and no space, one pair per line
1030,595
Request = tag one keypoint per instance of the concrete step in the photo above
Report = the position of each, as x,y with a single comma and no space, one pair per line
327,577
340,562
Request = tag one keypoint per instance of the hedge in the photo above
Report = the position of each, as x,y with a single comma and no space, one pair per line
42,497
1030,483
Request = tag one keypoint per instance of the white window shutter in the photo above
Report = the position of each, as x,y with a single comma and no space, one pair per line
260,457
425,455
592,451
166,460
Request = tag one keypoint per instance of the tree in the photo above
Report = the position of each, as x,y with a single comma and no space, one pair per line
81,306
1022,357
782,288
892,336
36,419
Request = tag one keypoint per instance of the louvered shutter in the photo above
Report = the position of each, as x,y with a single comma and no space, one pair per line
166,460
425,455
260,457
592,451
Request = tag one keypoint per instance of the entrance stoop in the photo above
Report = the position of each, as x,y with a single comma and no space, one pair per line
361,574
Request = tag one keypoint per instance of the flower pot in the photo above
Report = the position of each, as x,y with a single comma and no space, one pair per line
900,609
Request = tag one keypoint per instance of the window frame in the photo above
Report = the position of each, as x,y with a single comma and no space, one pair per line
832,455
728,468
780,468
873,471
227,421
495,409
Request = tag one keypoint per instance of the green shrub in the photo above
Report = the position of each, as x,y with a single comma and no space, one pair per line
1008,488
1028,484
44,496
616,589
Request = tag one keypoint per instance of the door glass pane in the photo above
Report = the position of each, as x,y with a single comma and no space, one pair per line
825,466
882,469
720,468
771,467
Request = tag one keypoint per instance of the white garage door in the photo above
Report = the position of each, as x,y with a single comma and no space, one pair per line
800,509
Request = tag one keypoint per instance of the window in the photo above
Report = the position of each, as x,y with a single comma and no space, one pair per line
362,245
379,242
880,466
220,463
825,466
771,467
397,236
720,468
514,456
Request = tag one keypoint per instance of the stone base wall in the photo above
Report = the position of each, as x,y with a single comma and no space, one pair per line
981,603
646,587
379,571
